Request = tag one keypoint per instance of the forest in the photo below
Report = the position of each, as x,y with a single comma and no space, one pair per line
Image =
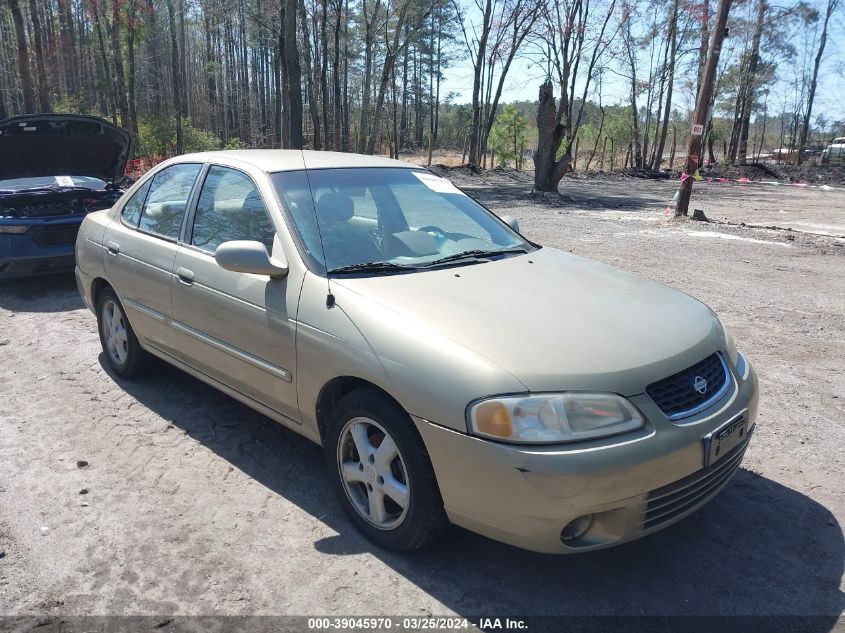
368,75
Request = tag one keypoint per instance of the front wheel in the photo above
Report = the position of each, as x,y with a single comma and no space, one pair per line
382,473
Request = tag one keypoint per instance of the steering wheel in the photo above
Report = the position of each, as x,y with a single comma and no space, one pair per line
433,229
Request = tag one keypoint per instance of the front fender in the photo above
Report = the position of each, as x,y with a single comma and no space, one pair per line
429,375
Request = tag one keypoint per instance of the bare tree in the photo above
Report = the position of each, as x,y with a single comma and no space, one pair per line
569,44
811,96
492,40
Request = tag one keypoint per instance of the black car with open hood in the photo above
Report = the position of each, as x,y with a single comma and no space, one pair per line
54,170
63,144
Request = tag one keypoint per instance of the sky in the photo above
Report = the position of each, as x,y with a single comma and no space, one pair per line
526,75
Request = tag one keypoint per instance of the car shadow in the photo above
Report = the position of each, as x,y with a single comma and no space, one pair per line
759,548
50,293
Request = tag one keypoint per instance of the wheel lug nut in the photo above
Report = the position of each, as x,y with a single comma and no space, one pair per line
372,459
360,466
381,480
370,487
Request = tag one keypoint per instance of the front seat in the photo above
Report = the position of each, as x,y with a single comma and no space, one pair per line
344,242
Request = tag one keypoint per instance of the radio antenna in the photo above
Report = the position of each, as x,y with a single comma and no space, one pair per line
329,295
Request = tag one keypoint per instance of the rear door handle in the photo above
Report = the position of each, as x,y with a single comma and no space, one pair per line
185,276
114,248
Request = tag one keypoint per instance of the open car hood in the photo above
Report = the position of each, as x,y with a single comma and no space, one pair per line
62,145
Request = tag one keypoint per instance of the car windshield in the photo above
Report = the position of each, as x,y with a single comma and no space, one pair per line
390,220
41,182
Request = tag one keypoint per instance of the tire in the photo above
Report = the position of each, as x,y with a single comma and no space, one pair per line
123,353
370,488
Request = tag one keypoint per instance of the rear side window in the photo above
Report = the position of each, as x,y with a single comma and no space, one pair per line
167,200
131,212
230,208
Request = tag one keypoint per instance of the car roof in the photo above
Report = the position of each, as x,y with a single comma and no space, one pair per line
273,160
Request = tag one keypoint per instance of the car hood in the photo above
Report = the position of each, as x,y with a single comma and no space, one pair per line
62,145
553,320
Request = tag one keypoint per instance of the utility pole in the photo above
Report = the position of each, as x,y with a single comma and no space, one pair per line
702,108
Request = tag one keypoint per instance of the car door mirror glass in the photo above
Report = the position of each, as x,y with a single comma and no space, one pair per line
247,256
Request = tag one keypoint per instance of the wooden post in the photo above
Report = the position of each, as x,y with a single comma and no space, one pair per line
429,148
464,155
702,106
603,151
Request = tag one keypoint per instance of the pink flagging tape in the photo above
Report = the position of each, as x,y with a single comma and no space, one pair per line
773,183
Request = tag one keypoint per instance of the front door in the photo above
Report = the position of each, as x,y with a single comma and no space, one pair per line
236,327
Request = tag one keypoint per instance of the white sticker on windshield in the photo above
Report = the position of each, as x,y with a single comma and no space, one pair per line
436,183
64,181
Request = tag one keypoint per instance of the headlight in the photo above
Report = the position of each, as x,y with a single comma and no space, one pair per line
553,417
14,229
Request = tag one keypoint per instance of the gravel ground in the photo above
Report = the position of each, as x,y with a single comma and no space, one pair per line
163,496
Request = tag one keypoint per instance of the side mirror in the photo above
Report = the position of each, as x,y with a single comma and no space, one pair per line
244,256
511,222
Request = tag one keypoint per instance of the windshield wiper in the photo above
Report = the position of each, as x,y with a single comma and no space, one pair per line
370,267
475,254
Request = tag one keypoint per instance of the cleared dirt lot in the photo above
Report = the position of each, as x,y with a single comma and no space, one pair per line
196,505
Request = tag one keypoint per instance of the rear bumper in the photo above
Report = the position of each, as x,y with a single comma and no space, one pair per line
45,248
525,496
85,287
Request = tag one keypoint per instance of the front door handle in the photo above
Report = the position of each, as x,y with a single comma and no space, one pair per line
114,248
185,276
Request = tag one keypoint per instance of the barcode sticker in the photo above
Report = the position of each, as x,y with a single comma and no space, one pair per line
64,181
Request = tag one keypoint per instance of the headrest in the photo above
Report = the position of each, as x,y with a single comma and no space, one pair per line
335,207
253,201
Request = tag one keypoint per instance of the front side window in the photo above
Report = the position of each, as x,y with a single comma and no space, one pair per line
167,200
230,208
394,218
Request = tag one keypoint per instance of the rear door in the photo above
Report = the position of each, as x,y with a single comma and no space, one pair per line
141,247
238,328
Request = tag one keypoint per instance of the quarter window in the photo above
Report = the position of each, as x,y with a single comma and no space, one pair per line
230,208
167,200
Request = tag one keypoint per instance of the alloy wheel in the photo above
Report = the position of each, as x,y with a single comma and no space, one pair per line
114,332
373,473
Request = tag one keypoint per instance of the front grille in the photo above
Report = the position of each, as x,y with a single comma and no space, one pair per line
687,494
56,234
681,394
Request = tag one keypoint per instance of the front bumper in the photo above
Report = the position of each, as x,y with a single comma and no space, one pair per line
632,484
45,248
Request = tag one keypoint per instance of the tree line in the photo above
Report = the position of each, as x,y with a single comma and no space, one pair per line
367,75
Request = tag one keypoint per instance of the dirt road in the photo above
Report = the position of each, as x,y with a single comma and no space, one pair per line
193,504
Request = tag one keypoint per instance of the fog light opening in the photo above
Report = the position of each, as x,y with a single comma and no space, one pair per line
576,528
